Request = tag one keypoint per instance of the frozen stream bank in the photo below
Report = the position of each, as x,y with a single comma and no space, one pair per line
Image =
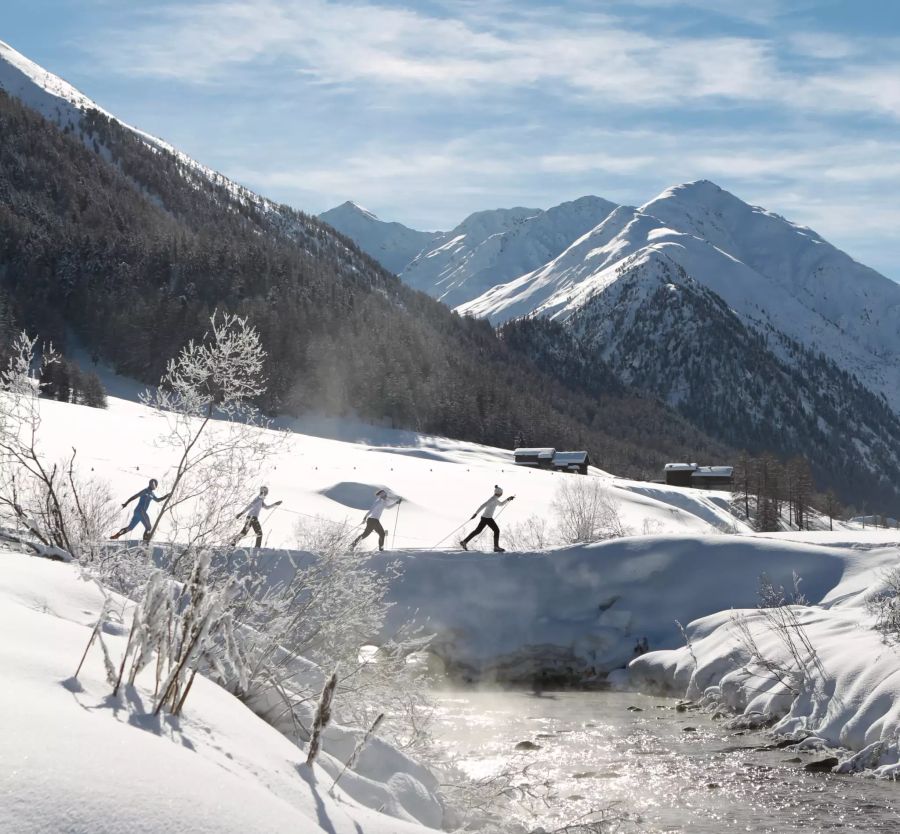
644,762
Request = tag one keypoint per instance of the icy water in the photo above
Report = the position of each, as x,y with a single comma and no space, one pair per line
663,771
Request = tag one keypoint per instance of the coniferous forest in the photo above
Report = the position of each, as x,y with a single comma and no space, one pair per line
120,244
128,248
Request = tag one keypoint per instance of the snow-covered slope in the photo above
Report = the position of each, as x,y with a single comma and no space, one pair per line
490,247
442,481
77,759
820,672
59,102
50,95
776,275
393,245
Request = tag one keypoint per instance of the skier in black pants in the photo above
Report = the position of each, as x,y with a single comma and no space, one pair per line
373,518
487,519
252,511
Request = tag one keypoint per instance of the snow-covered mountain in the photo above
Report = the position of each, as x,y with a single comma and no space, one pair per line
490,247
62,104
393,245
778,278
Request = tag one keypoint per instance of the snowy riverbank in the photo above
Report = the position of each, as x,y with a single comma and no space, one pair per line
820,674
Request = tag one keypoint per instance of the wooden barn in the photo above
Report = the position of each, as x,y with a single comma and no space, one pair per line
547,458
571,462
679,474
699,477
538,458
713,477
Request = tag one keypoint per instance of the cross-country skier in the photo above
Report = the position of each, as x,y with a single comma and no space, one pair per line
144,497
252,511
487,519
373,518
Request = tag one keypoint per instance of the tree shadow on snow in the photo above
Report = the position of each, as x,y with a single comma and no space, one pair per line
137,714
308,776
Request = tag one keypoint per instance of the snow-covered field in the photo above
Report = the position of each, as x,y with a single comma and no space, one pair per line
570,612
441,481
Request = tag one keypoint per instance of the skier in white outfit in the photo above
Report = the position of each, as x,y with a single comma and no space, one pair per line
252,511
373,518
487,519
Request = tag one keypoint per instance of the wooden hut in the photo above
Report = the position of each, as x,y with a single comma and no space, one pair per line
571,462
713,477
537,458
679,474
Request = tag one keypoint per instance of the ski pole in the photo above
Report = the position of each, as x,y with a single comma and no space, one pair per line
435,546
396,521
268,517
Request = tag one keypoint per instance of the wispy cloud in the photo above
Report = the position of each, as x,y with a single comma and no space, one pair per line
428,110
598,58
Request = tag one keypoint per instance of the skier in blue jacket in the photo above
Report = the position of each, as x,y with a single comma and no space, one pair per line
144,497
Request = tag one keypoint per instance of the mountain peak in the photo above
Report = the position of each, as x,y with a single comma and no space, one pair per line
695,192
39,89
353,208
393,245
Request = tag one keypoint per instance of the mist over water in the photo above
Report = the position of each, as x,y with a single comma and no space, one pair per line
651,767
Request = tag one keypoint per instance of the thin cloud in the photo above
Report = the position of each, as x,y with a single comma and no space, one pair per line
428,112
595,60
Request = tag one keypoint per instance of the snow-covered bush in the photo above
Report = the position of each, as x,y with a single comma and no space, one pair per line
318,613
185,629
774,596
584,510
535,533
587,511
884,605
60,508
207,394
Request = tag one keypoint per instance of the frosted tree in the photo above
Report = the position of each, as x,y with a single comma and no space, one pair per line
207,396
62,512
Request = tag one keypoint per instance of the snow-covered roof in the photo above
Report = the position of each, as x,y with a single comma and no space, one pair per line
566,458
672,467
540,453
713,472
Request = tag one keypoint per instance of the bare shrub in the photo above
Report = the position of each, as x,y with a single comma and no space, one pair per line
796,665
587,511
774,596
884,605
530,535
59,508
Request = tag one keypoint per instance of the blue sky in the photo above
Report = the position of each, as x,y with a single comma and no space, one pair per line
425,112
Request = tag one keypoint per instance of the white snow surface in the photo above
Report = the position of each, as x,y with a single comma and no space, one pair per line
76,759
441,481
393,245
574,610
771,272
854,702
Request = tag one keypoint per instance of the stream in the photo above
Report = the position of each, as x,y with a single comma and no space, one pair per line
653,768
